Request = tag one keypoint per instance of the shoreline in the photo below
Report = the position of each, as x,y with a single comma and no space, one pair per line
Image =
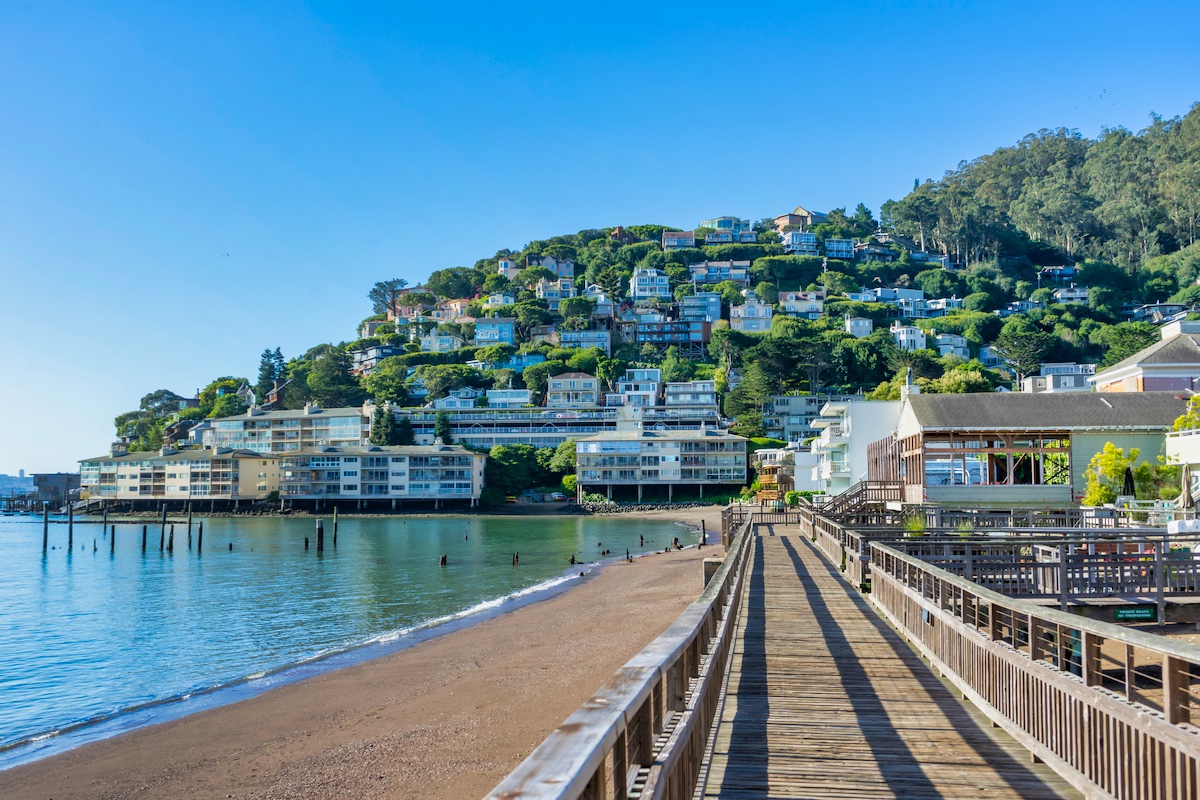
635,593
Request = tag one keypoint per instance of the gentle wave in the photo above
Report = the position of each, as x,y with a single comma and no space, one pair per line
385,638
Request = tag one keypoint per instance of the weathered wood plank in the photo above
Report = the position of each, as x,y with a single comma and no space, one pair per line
825,700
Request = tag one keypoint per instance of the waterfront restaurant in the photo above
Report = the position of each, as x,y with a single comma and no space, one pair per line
1014,448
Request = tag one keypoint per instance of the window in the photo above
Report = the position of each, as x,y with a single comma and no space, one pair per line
350,487
349,473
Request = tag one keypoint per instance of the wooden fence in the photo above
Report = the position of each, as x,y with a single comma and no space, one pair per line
1111,709
645,733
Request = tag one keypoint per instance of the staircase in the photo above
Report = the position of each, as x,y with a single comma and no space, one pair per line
861,496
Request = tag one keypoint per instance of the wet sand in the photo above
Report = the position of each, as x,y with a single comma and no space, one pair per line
447,718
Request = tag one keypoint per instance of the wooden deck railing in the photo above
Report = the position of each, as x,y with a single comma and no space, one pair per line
1113,710
645,732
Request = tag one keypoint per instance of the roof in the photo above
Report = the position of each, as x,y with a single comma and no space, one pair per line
1182,348
382,450
300,413
573,376
1047,411
667,436
495,320
180,455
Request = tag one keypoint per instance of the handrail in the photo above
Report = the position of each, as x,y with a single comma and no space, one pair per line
626,721
1111,709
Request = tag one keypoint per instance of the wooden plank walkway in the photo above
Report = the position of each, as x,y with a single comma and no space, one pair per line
826,701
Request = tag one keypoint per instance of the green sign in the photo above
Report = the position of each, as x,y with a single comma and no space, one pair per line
1137,614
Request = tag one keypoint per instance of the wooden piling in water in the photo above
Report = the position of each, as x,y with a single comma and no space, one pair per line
703,534
189,507
112,540
163,522
45,527
162,538
320,535
335,526
200,538
104,510
171,541
144,538
70,525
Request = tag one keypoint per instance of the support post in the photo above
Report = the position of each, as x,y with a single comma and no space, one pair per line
45,526
189,509
335,521
143,538
1159,598
1063,574
70,525
200,538
171,541
112,540
320,535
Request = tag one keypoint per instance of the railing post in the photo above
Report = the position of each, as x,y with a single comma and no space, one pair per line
1177,707
1089,657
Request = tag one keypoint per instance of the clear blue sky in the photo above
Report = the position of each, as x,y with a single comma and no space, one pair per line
329,145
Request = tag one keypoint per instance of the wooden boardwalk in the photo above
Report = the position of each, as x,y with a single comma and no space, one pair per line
826,701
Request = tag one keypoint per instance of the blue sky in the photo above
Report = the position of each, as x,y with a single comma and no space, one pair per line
325,146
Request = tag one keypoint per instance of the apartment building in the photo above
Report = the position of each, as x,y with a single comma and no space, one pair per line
585,339
165,475
287,431
438,472
367,359
847,430
730,224
688,336
790,416
441,343
652,459
458,399
573,390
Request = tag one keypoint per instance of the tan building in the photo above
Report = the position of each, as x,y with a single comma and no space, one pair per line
573,390
799,216
184,475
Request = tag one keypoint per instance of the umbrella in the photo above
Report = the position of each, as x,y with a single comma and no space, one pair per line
1128,489
1186,500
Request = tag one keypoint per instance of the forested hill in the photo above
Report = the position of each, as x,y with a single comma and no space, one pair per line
1116,216
1123,197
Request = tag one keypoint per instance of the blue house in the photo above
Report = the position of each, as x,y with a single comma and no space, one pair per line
495,330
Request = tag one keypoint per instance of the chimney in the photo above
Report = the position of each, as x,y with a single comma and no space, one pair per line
118,449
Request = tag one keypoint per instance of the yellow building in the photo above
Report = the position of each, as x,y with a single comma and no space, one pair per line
165,475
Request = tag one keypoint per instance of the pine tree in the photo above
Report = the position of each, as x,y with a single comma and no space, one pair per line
383,426
267,375
404,432
441,427
280,364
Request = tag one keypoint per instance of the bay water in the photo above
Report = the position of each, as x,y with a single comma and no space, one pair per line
94,643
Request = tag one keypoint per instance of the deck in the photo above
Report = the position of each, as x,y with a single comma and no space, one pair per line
826,700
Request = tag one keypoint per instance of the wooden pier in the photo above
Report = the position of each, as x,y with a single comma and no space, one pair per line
825,700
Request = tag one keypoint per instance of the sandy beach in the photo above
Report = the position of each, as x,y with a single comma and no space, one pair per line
447,718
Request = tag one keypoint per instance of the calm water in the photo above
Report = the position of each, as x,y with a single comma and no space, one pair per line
92,644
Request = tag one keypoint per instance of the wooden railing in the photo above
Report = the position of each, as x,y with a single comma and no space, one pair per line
862,495
1111,709
645,733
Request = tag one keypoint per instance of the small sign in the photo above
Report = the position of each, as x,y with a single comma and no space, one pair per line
1137,614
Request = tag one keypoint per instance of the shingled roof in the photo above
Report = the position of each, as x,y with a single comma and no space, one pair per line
1047,411
1183,348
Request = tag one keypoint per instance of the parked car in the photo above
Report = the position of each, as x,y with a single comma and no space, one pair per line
558,497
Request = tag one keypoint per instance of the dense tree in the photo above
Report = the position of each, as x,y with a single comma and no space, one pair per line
1022,347
385,295
227,405
404,432
441,379
453,283
383,425
441,427
331,383
387,382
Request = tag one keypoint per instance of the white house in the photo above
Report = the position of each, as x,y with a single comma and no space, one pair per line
508,398
908,337
752,316
1071,294
807,305
859,327
563,268
555,291
650,283
441,343
840,248
951,344
800,243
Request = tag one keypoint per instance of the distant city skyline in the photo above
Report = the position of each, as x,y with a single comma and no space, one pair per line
184,186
